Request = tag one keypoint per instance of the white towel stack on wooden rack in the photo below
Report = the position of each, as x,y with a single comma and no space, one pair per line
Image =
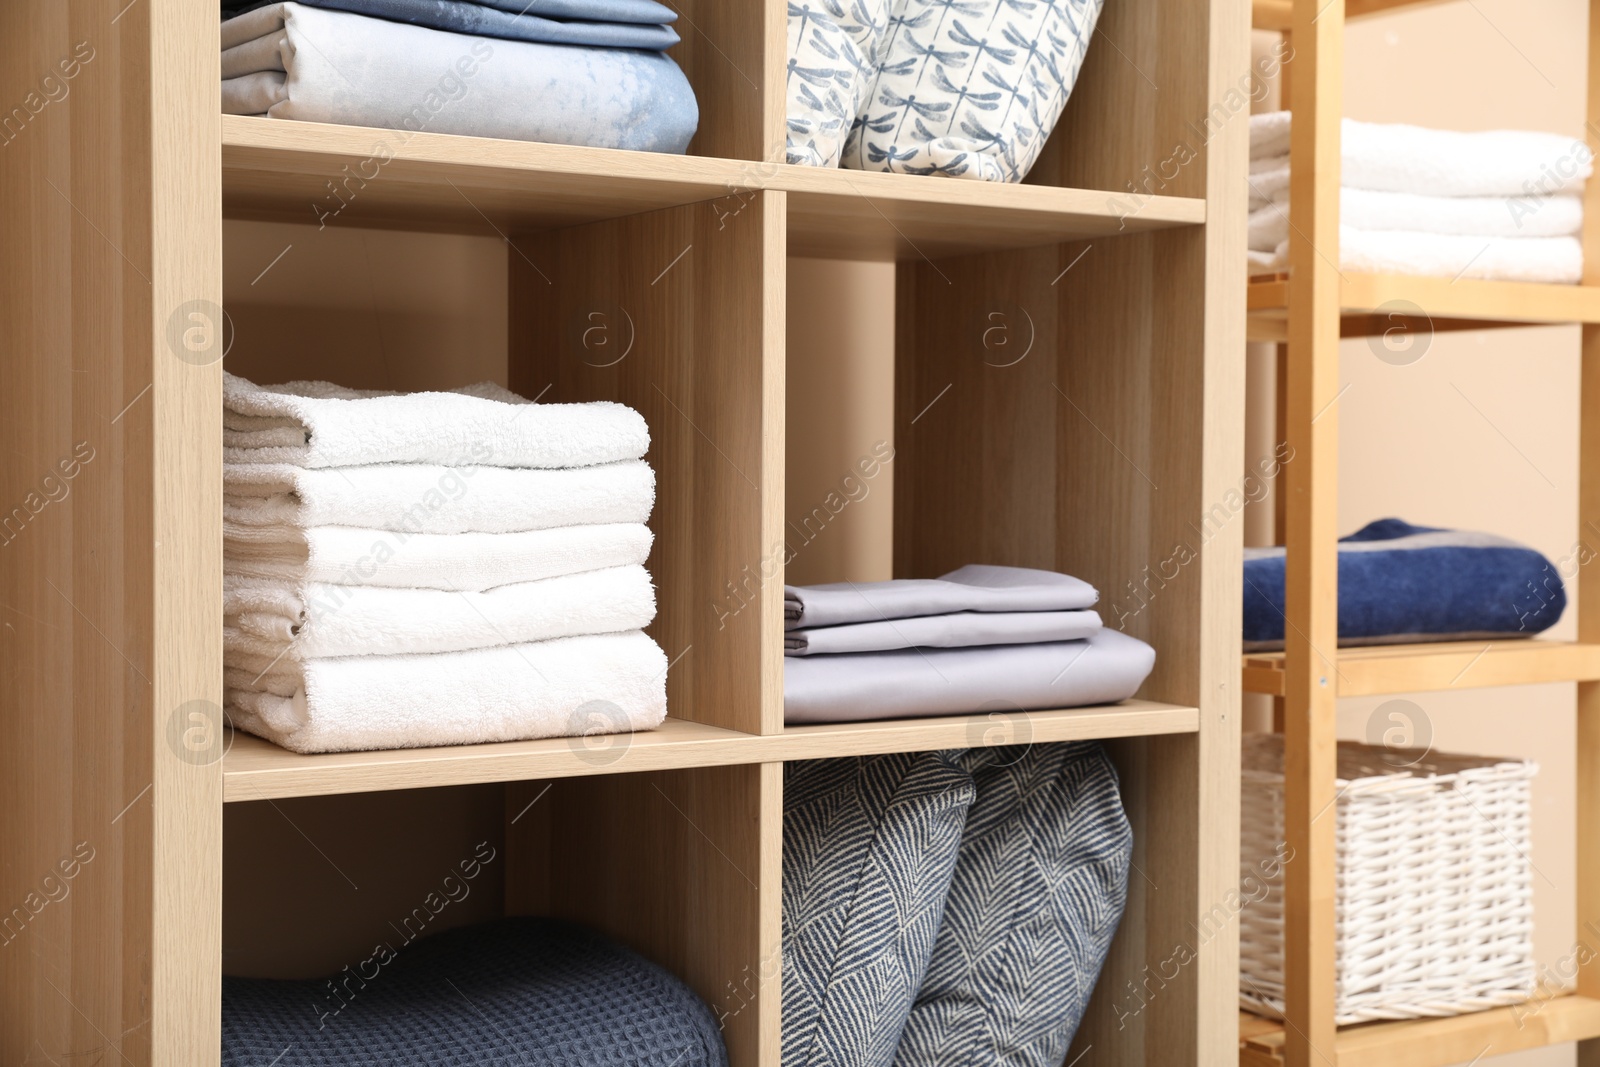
1503,204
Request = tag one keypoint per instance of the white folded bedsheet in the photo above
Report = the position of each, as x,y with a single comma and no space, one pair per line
1413,159
1552,260
607,683
318,424
428,498
313,619
352,556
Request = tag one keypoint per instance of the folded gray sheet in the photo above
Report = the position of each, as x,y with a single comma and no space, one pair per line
977,587
305,63
962,629
1102,669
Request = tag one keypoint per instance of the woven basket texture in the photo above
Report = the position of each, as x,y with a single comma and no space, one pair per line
1434,892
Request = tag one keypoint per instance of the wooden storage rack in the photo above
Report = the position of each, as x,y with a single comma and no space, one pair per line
1307,312
1092,454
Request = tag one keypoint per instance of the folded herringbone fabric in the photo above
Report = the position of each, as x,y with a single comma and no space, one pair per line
1036,896
869,844
516,991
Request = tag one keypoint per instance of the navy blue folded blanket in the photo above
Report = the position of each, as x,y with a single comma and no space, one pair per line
514,991
1402,583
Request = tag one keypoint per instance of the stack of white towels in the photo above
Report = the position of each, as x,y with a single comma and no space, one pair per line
1503,204
404,570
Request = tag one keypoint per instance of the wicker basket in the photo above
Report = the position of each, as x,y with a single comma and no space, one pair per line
1434,887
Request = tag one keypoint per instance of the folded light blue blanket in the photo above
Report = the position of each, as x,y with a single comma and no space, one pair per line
292,61
479,20
645,11
1402,583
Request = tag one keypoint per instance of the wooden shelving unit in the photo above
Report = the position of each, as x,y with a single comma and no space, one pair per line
1093,453
1307,311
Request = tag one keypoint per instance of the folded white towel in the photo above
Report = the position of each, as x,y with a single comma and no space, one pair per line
1554,260
1269,134
311,619
425,498
1412,159
317,424
1482,216
571,686
348,555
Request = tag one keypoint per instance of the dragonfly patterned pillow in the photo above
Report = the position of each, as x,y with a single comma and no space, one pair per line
833,57
970,88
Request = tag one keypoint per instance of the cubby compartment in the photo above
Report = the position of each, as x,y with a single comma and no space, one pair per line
669,864
1046,409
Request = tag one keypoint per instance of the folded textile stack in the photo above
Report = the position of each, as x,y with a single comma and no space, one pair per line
948,907
1503,204
528,991
582,72
902,86
979,638
402,570
1400,583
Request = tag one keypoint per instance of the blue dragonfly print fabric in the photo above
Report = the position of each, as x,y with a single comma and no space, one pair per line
833,59
970,88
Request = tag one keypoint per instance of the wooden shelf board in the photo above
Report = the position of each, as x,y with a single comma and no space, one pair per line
1132,718
1277,14
344,175
1380,669
1436,1042
1369,303
254,769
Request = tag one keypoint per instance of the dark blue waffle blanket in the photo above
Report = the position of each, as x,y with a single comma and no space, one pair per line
537,992
1400,583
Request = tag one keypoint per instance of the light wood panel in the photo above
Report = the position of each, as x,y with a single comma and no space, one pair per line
1371,304
1435,1042
109,559
678,313
280,170
256,770
1587,823
682,866
1150,1005
1380,669
732,53
1311,527
1150,102
1278,14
